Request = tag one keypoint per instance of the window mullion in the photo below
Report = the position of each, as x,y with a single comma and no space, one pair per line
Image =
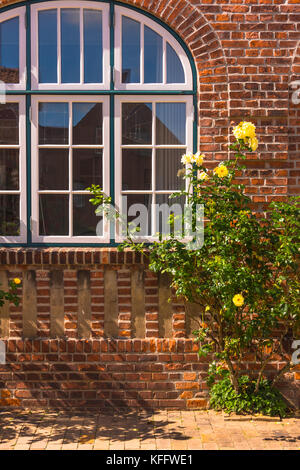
70,169
81,48
153,224
59,46
142,53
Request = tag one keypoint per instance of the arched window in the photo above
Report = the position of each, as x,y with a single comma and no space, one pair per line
96,93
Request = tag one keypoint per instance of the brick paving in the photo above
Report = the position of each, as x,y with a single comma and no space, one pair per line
144,430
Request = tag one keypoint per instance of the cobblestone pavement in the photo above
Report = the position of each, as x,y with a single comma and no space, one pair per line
141,430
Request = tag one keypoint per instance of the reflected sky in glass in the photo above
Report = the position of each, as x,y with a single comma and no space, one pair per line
48,46
53,123
93,48
130,50
70,45
175,71
153,55
9,48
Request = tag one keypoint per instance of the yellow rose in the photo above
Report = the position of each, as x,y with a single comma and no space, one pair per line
17,281
198,159
238,300
221,171
187,158
203,176
253,143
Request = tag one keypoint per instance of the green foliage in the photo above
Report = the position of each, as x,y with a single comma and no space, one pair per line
267,400
10,295
244,279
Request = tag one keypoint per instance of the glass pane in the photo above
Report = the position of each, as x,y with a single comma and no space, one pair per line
93,48
70,45
53,123
54,214
136,169
9,214
142,213
136,123
53,169
9,51
84,218
131,49
170,123
175,71
168,162
87,123
48,46
166,207
9,169
9,124
153,56
87,168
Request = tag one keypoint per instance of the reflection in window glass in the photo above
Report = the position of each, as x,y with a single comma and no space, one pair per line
9,169
130,206
9,51
84,218
87,123
53,169
54,214
168,162
175,71
130,50
136,169
70,45
53,123
93,49
153,56
9,215
170,123
175,207
87,168
9,124
136,123
48,46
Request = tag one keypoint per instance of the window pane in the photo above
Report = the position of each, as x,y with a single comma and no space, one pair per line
54,214
93,52
162,214
136,169
70,45
136,123
48,46
53,169
9,124
9,169
87,123
143,212
53,123
153,56
87,168
9,214
170,123
9,51
131,49
168,162
84,218
175,71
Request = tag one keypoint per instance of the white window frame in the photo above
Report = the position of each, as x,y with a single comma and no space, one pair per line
8,15
188,147
104,7
166,37
22,171
35,168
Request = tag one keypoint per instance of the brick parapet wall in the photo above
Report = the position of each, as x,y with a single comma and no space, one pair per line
101,335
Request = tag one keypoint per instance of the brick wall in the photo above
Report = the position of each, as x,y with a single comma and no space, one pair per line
96,328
